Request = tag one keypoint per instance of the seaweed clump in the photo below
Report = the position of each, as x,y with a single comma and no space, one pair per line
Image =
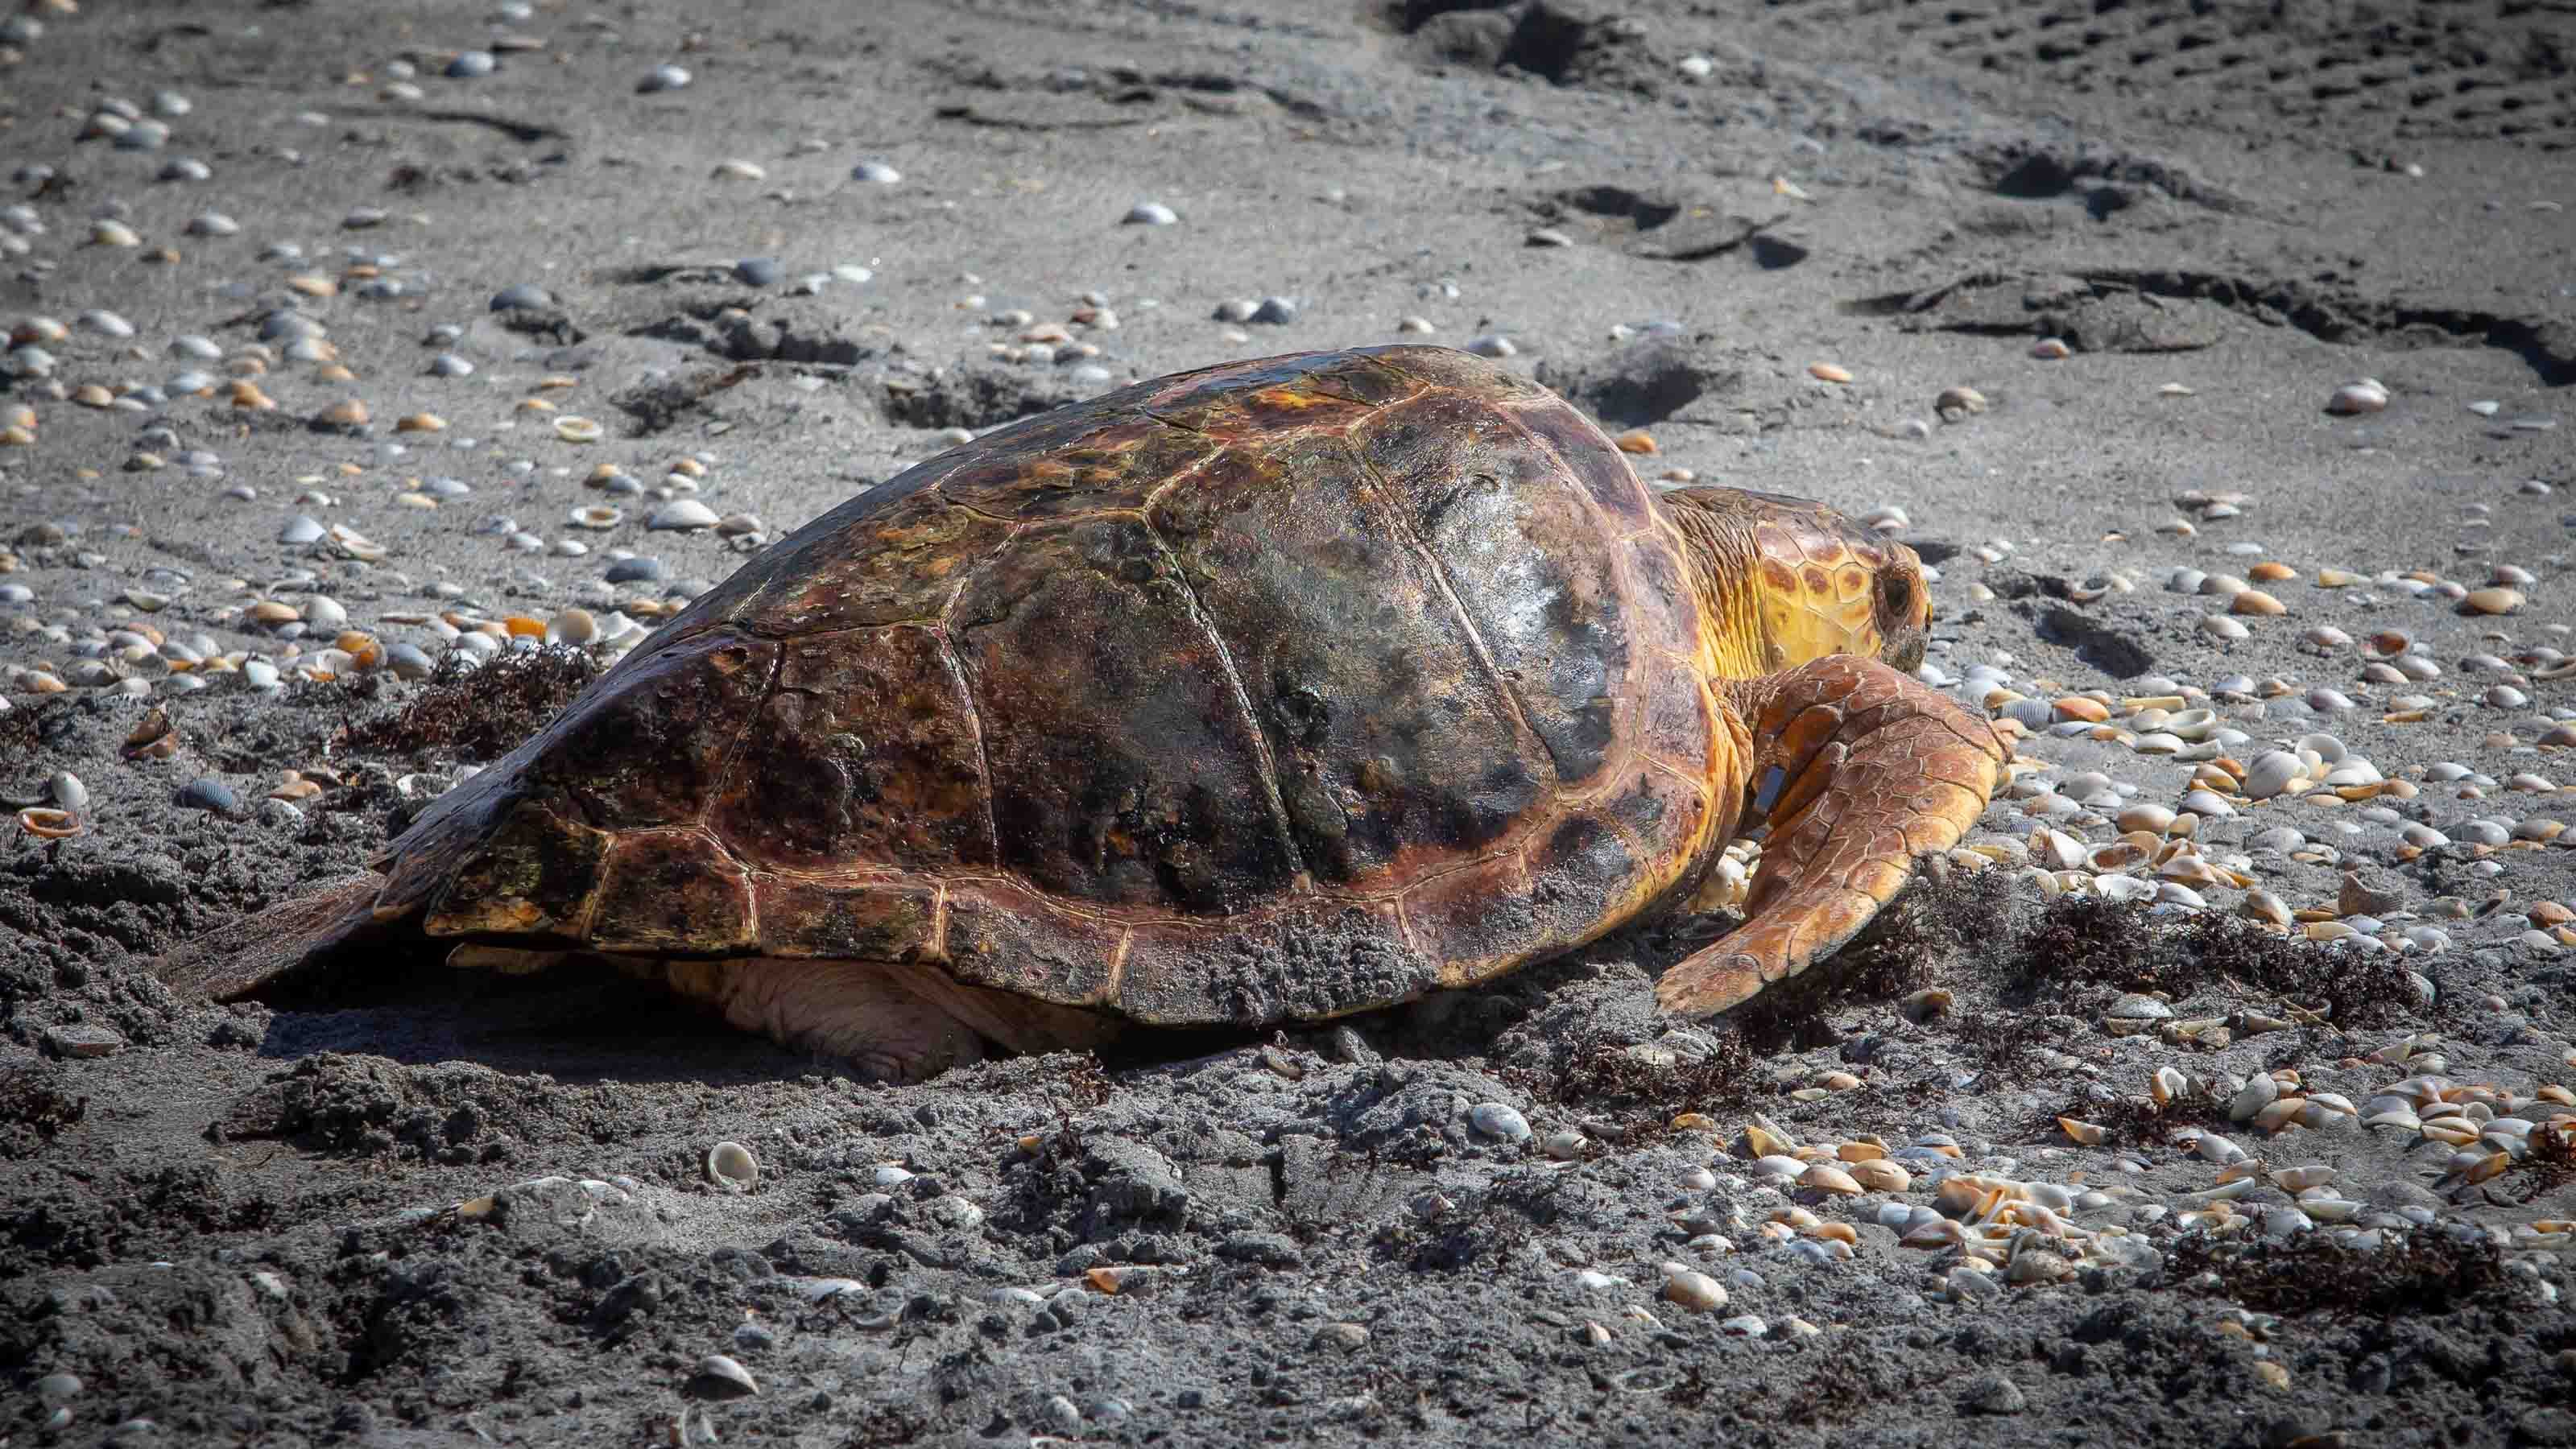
2084,949
477,711
2415,1274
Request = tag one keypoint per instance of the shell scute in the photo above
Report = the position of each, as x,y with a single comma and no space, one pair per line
1003,935
903,560
1526,555
673,891
1386,737
1670,817
1124,766
1307,388
525,865
1313,960
873,920
1478,920
1113,465
1595,463
650,744
866,750
1681,730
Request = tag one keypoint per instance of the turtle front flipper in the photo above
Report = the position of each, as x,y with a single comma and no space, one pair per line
1858,770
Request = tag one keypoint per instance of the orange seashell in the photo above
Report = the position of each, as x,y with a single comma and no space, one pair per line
48,823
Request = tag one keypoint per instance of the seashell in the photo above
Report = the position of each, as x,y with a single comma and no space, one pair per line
2168,1085
2492,600
720,1377
2486,1167
346,413
731,1166
46,823
2050,349
2262,905
2089,1134
574,429
2037,1265
1692,1289
1828,372
1828,1178
1879,1174
2364,396
1957,402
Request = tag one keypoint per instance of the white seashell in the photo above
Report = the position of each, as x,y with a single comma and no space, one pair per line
731,1166
719,1377
2259,1092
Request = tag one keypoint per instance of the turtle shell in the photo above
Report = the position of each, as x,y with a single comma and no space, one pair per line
1270,691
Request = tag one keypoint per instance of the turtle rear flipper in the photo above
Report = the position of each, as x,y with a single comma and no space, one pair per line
1860,771
282,945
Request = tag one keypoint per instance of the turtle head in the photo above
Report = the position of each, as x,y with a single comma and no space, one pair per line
1789,580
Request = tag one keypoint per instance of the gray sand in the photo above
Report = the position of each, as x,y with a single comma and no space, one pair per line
242,1225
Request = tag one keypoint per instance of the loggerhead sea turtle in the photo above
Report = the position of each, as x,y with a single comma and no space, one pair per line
1262,693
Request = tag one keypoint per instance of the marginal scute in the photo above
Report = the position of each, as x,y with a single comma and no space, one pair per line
1310,961
1122,759
873,920
1680,728
531,873
420,862
1670,817
1478,921
1582,874
866,750
1386,737
675,892
1003,936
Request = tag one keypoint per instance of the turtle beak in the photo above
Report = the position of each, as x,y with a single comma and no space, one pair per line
1904,609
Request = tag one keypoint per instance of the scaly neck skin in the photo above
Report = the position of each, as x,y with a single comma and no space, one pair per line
1717,550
